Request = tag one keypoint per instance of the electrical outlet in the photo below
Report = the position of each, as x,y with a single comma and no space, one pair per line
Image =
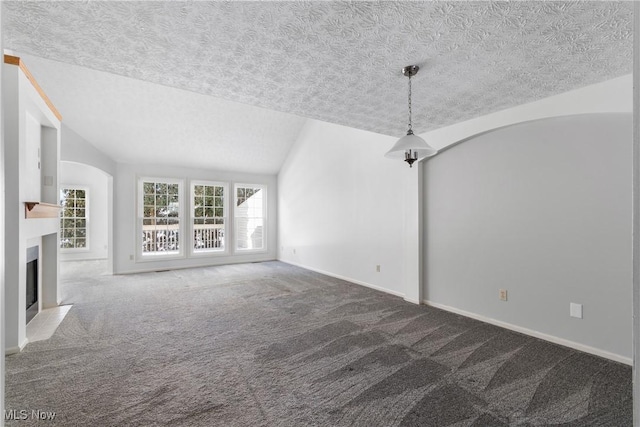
378,268
575,310
502,294
294,251
130,257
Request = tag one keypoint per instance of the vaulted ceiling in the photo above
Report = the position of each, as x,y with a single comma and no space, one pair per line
334,61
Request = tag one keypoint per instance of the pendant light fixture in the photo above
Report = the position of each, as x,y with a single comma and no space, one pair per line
410,147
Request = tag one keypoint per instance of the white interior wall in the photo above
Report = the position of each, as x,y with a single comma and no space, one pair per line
125,212
341,206
542,209
636,213
2,233
97,183
74,148
12,211
343,151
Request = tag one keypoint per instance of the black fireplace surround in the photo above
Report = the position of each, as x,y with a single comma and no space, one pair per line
32,282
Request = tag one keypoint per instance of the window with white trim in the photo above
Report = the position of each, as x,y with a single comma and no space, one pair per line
159,216
209,213
250,210
74,217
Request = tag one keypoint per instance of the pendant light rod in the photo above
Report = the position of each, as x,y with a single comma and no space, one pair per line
410,71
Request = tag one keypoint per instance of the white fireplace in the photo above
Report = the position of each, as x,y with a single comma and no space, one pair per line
32,158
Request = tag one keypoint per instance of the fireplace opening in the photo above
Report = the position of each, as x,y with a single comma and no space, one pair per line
32,282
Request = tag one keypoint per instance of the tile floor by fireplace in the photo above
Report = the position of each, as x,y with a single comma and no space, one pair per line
43,326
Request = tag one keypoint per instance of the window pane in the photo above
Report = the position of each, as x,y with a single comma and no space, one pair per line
249,218
73,218
208,234
160,217
249,233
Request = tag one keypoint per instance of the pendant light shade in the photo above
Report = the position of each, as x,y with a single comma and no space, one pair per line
410,142
410,147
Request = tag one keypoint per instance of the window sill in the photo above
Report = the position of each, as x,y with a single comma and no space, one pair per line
250,251
210,253
74,250
151,257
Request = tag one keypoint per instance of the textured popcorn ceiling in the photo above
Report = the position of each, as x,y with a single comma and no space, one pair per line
135,121
340,61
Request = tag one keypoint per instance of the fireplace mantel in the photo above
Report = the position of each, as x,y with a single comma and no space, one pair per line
41,210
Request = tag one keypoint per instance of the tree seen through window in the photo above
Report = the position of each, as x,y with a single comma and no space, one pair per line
73,218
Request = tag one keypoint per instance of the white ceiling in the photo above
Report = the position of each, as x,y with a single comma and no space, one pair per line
136,121
334,61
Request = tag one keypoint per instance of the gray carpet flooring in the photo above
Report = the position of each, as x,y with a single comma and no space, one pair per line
269,344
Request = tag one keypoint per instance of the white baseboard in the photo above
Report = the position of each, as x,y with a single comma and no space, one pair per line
16,349
536,334
184,267
11,350
348,279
